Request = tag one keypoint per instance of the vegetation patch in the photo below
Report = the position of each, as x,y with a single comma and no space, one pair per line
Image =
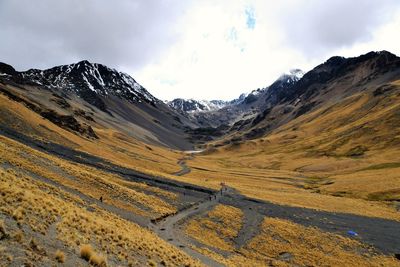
218,228
389,165
356,151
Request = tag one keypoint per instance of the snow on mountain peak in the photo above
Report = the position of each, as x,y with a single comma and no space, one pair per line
298,73
86,78
192,105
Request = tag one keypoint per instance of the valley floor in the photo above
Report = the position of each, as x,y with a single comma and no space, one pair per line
63,206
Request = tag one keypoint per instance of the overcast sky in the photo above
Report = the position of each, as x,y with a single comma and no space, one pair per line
195,49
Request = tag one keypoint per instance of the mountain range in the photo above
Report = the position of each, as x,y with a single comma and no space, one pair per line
96,170
189,122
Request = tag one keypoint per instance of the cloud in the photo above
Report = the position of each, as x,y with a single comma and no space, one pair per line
314,27
120,33
209,49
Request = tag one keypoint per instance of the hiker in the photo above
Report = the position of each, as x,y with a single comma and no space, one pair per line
101,198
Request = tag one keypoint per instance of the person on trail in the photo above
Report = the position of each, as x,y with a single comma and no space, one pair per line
101,198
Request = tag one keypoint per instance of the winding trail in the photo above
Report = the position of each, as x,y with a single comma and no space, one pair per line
170,228
185,169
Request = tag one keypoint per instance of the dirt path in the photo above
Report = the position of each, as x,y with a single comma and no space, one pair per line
185,169
170,229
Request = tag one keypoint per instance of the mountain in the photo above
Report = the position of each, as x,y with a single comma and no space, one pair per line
331,82
95,94
198,106
85,79
245,107
191,105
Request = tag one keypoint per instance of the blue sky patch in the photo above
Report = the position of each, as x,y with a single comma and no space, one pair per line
250,17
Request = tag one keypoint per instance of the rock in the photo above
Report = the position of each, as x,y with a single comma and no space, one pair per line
285,256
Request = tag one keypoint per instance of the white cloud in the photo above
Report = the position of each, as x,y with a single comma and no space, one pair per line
209,49
219,56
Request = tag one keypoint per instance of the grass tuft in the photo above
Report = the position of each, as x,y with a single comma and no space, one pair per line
19,236
86,252
98,260
18,214
60,256
3,231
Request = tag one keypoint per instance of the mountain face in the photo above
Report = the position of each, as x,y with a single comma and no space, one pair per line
199,106
218,113
329,83
72,95
295,94
87,80
250,116
191,105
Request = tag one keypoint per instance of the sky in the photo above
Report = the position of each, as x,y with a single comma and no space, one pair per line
200,49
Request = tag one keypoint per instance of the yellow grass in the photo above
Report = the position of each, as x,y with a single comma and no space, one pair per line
304,246
97,183
59,256
310,247
218,228
46,205
305,162
281,167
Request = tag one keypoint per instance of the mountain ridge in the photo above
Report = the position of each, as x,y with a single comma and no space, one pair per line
87,80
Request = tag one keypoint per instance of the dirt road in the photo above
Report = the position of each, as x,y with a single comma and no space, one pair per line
170,229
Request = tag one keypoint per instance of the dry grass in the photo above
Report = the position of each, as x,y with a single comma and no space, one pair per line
86,252
310,247
112,145
218,228
316,144
18,214
122,194
98,260
3,231
59,256
306,162
302,246
44,205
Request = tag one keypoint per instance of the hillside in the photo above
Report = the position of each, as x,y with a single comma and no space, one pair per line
304,172
90,95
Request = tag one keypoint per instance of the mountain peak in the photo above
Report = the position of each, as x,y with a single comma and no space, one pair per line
192,105
87,80
84,62
293,76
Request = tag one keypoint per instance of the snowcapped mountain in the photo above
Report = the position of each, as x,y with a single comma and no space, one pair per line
285,80
199,106
291,77
87,80
191,105
73,96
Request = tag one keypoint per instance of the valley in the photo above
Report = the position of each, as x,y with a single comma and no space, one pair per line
305,172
